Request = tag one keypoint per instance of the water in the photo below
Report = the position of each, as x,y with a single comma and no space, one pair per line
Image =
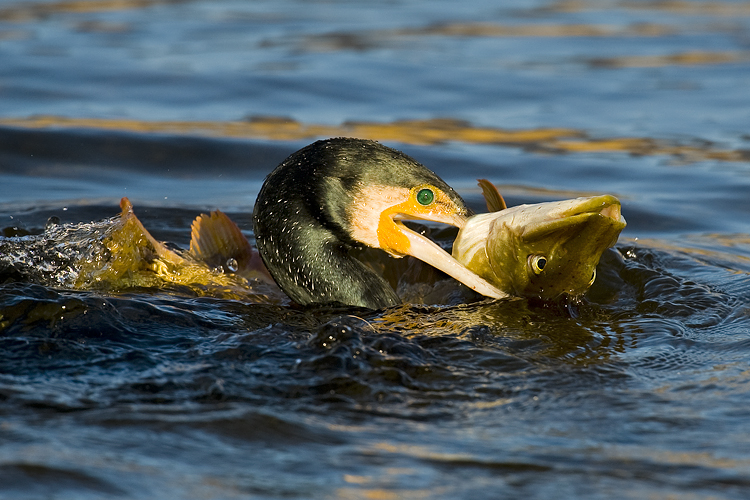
642,391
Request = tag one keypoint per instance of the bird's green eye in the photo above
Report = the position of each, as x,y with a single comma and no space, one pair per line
537,263
425,196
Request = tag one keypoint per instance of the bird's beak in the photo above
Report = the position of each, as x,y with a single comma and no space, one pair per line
430,253
398,240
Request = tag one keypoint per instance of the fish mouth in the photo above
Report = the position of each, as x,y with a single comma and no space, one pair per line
545,218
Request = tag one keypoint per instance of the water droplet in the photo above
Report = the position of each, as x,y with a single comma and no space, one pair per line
51,222
232,264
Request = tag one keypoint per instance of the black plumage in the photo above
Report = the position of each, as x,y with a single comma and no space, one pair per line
304,212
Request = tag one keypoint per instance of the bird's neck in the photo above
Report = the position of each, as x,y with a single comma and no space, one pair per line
313,266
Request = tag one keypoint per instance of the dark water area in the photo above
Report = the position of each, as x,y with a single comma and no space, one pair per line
640,391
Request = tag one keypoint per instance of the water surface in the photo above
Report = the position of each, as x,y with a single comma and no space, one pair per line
641,391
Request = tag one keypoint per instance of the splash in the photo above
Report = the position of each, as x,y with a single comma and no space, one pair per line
118,254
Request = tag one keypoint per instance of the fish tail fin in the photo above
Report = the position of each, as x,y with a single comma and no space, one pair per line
216,240
493,198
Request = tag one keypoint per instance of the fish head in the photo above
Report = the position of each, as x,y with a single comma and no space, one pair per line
545,250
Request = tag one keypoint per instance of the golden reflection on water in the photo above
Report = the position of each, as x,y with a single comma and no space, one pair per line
31,11
25,11
383,494
694,58
373,488
616,453
417,132
710,8
389,483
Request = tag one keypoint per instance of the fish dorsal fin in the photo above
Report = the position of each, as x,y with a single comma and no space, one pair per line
217,241
493,198
215,236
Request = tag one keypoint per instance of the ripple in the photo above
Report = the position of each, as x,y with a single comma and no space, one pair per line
422,132
26,480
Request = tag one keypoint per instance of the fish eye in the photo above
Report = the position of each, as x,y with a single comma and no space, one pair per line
537,263
425,196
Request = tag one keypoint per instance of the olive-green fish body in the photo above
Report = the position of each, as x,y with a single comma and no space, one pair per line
119,254
544,250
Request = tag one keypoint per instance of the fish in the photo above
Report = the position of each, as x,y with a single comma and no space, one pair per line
545,250
220,261
119,254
